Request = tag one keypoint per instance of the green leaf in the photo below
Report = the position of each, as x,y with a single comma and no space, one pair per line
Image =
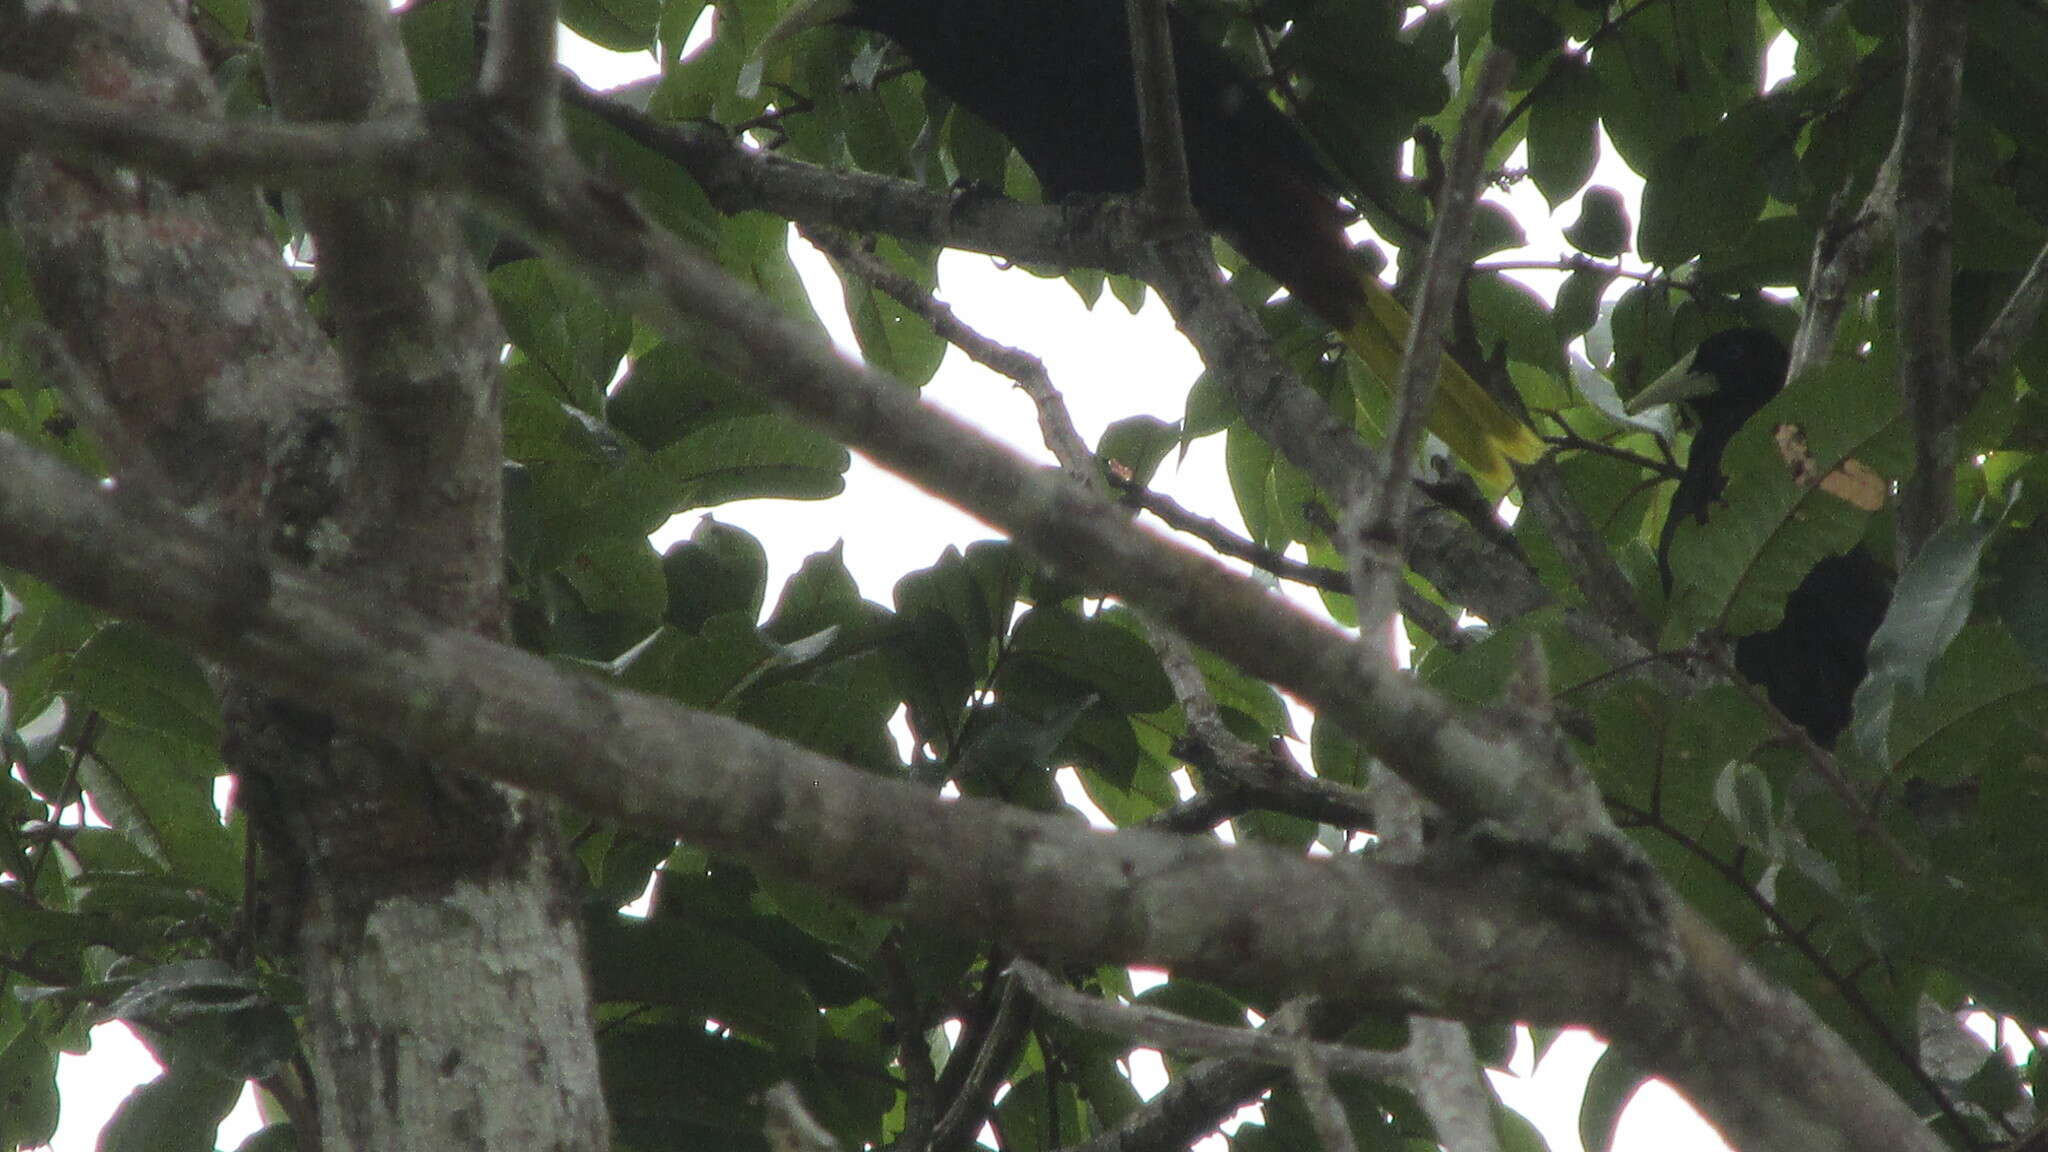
1602,227
559,324
1507,311
1515,1132
892,337
1528,31
28,1089
176,1112
822,594
2017,580
440,41
715,668
1337,757
41,734
1740,566
1009,744
1613,1081
1704,193
1772,252
133,675
934,668
159,795
676,1086
1134,446
1982,700
832,721
837,922
1929,607
620,576
1578,302
744,458
1744,797
203,1019
1564,130
1663,80
278,1137
1235,691
719,570
659,186
673,391
620,25
1271,493
1091,651
754,247
703,972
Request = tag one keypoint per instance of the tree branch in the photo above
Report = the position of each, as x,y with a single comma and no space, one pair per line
1055,423
2015,322
1166,196
519,72
1197,1100
1374,516
1048,886
1937,32
1846,247
1493,935
1176,1033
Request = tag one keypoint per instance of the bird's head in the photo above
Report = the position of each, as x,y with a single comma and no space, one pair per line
1724,381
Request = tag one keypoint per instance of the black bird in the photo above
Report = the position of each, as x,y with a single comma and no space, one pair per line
1810,664
1054,76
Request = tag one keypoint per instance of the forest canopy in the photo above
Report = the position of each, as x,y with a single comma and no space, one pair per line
352,356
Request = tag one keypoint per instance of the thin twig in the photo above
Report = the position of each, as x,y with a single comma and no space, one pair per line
1028,372
1179,1033
2001,339
1580,262
898,993
1374,521
1325,1110
1416,608
1570,441
990,1062
1844,249
1817,758
1216,535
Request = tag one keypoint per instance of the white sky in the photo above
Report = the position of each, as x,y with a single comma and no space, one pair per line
1109,365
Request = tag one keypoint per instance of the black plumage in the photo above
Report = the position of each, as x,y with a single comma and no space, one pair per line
1811,663
1054,76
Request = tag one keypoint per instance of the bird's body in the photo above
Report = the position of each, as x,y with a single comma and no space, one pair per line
1809,664
1054,77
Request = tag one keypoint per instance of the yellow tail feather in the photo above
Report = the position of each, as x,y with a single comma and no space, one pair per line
1477,429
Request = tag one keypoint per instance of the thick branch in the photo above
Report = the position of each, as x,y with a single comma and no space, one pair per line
1476,943
408,151
1483,939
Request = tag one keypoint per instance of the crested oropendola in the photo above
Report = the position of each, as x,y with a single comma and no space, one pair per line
1809,664
1054,76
